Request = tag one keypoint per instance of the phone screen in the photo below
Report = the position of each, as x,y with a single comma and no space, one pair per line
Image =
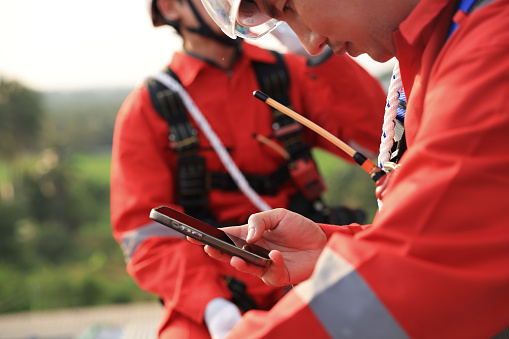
201,226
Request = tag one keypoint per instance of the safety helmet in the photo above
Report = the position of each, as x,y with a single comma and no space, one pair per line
235,17
203,29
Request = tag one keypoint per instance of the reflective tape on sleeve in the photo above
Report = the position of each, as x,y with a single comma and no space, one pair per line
344,303
132,239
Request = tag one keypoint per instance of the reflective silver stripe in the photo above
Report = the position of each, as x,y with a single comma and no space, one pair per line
132,239
344,303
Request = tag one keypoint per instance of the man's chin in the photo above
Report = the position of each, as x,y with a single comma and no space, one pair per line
380,56
352,51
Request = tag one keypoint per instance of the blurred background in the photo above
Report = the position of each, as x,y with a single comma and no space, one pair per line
65,68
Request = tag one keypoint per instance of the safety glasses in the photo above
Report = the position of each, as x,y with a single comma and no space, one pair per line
236,17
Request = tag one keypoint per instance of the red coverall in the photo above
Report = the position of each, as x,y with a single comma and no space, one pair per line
435,261
143,170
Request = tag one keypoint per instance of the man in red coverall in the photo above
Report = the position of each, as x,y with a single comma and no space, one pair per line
219,76
435,261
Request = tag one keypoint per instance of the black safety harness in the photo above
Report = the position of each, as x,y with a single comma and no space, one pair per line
194,182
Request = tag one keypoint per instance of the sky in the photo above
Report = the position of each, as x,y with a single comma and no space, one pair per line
52,45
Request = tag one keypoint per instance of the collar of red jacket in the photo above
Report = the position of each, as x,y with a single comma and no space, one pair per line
187,66
423,15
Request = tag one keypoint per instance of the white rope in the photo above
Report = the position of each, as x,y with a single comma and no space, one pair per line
218,146
387,139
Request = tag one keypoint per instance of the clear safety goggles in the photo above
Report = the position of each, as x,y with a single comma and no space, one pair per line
236,17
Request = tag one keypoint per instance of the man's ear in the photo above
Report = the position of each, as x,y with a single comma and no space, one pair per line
169,9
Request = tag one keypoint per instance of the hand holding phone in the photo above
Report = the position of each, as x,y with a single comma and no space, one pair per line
295,243
210,235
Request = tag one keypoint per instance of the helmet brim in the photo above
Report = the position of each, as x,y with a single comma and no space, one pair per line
236,17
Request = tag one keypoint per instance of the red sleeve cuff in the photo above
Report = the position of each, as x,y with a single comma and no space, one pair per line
347,229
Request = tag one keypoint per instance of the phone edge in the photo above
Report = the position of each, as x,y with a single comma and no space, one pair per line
209,240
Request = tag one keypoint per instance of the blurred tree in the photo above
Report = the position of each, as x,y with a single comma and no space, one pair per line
84,120
47,189
56,248
10,251
20,119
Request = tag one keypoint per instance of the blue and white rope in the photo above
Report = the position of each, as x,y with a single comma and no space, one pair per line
391,112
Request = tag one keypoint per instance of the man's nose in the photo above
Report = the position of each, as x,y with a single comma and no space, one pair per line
312,42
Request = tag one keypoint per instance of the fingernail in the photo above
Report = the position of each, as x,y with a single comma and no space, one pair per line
250,233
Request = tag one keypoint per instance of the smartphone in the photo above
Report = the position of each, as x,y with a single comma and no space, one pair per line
210,235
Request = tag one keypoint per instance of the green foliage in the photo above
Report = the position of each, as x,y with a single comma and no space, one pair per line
56,247
348,184
20,119
9,236
13,295
62,286
83,121
55,243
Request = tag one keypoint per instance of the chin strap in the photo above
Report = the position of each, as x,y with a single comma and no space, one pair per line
206,31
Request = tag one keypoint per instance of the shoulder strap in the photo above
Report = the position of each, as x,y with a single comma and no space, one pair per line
274,80
191,168
183,136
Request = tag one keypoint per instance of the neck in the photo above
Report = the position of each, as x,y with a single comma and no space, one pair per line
209,49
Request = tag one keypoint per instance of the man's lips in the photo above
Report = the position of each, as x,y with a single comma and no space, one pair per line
338,49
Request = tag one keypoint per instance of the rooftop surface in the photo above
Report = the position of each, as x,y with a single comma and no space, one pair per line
125,321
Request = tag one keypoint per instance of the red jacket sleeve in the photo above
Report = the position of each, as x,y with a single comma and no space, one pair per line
351,229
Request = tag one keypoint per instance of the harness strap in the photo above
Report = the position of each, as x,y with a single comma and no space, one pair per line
274,79
183,138
264,185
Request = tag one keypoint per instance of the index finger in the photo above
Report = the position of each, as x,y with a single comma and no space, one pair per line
258,223
194,241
